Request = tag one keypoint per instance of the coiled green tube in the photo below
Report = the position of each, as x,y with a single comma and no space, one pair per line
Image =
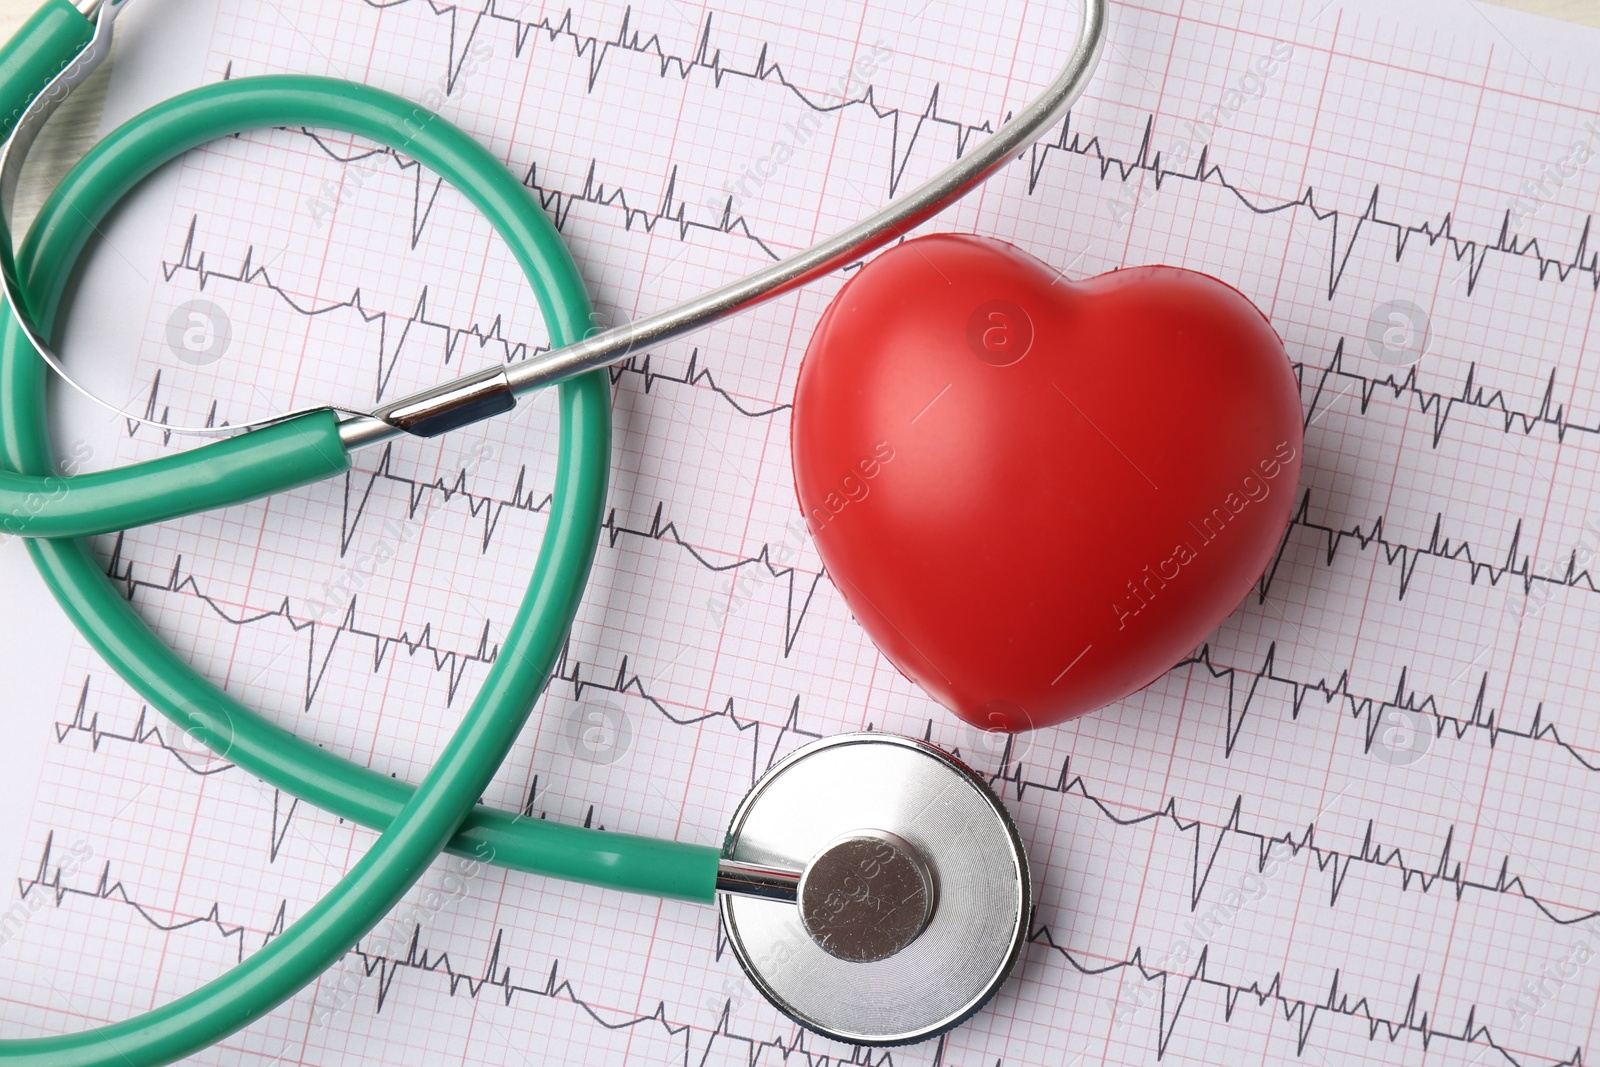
418,822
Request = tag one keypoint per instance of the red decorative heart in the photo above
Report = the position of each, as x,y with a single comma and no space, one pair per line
1037,495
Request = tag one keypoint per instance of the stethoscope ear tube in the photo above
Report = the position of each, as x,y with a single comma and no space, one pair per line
101,612
282,456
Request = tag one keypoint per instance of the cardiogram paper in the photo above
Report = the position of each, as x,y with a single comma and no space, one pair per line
1355,826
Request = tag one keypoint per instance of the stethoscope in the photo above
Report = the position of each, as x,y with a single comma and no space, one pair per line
872,887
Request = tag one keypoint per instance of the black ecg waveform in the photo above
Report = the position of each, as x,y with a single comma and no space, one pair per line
502,981
1204,841
48,880
1321,386
146,729
149,728
1207,840
766,741
399,334
420,496
801,587
453,662
1247,688
1513,563
1244,689
1146,160
326,634
1405,385
909,127
1413,1021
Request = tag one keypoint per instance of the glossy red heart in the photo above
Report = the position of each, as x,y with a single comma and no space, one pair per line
1037,495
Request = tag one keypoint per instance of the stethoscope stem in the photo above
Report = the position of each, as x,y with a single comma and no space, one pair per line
744,879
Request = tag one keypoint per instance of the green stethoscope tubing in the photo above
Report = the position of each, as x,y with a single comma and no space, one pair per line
417,822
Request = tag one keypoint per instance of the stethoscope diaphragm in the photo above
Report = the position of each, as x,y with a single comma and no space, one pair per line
914,903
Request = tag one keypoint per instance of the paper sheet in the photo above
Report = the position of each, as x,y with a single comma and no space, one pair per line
1355,827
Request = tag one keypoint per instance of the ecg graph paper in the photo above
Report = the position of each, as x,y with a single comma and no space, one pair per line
1355,827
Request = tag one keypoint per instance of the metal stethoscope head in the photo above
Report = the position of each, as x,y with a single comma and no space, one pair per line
481,395
874,889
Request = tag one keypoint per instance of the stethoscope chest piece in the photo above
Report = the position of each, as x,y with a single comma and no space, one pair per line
913,905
